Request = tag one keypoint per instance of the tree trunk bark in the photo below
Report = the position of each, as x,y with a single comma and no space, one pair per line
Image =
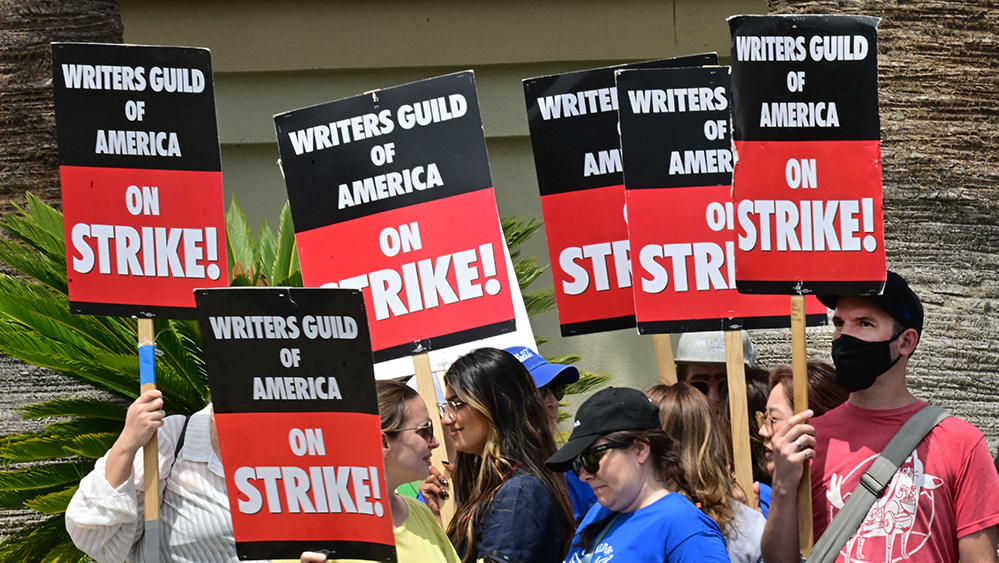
29,159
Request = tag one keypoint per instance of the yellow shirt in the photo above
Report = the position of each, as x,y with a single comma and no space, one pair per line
419,539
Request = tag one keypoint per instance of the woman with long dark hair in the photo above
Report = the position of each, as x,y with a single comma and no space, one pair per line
644,513
509,504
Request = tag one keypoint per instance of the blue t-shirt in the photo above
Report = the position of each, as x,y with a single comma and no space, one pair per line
671,529
580,495
521,521
765,493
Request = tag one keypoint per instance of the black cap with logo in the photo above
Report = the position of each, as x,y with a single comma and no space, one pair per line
609,410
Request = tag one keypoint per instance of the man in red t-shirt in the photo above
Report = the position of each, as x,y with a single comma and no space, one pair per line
942,504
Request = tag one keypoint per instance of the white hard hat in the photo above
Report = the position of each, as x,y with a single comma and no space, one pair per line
709,348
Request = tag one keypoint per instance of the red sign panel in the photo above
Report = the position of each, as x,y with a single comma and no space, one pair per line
434,268
141,189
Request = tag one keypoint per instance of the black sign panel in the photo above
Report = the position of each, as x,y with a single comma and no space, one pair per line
404,130
120,106
253,336
797,77
678,127
575,114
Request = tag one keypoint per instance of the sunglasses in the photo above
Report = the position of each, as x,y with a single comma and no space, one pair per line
590,460
557,389
425,431
704,386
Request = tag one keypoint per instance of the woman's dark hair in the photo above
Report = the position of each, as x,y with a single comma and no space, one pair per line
824,393
665,455
520,438
392,399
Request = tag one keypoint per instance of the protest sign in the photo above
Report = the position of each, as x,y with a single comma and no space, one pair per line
676,143
807,184
391,193
574,134
141,178
297,416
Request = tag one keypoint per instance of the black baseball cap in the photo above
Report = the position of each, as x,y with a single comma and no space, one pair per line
897,299
609,410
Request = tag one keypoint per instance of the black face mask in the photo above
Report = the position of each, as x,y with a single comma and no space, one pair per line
859,363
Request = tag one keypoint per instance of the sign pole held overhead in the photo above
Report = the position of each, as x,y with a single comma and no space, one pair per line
425,385
151,465
799,359
742,457
664,358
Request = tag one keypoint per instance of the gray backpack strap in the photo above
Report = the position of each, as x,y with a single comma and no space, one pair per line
874,482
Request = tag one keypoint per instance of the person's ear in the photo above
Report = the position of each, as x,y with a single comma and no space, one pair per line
385,444
907,341
642,449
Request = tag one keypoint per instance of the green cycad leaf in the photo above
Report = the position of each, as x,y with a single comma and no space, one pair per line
267,249
49,218
24,227
93,446
527,271
177,340
239,240
588,381
34,449
13,500
65,552
44,476
286,262
36,541
294,280
517,231
48,314
26,261
52,503
62,407
81,427
539,301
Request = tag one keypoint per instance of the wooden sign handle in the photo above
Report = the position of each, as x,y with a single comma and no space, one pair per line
150,452
425,385
664,358
738,404
799,360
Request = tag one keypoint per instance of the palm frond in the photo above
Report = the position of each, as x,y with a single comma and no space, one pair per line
40,542
52,503
44,476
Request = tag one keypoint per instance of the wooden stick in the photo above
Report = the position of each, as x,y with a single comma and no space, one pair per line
799,357
425,384
742,456
664,358
150,452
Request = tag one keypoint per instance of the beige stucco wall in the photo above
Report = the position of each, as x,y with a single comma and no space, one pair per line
271,57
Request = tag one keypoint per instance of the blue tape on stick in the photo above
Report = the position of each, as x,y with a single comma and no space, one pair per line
147,364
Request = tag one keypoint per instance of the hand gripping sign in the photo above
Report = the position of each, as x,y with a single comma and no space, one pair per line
391,193
808,180
574,134
141,178
297,417
678,173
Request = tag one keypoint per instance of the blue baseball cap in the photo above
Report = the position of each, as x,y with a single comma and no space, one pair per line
543,372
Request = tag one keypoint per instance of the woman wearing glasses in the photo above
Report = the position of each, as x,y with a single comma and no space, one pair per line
618,447
824,394
509,504
687,415
407,440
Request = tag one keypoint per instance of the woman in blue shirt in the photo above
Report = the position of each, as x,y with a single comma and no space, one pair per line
618,447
